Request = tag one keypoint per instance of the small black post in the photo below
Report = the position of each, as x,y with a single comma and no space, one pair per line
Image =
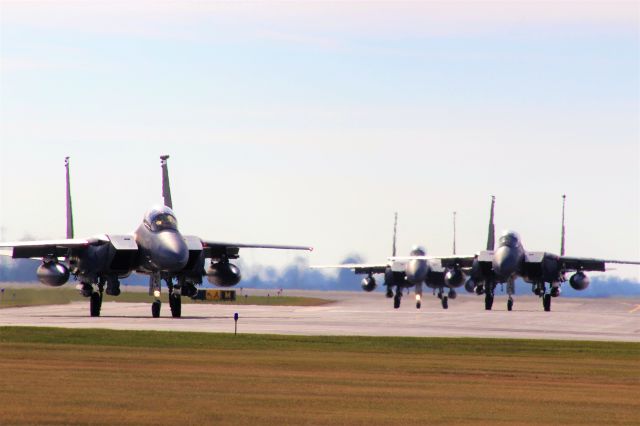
235,318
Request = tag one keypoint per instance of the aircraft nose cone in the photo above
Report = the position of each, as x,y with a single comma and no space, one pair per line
172,252
416,271
505,261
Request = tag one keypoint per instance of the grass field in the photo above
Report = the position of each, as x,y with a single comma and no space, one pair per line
60,376
17,297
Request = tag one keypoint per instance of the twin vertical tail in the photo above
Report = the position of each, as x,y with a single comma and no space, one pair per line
395,234
69,207
491,239
166,189
564,199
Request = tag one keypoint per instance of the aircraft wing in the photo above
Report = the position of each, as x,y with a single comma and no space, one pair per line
445,261
589,264
358,268
217,249
570,263
53,248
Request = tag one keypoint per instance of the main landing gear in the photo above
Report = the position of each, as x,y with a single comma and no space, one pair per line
444,299
546,302
95,303
389,293
488,300
95,297
488,295
175,299
540,290
397,298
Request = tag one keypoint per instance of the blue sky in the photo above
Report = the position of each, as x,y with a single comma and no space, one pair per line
313,122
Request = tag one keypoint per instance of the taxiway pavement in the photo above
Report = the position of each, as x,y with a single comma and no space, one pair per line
356,313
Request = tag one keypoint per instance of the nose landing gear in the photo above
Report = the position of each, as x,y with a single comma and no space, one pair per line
511,290
155,308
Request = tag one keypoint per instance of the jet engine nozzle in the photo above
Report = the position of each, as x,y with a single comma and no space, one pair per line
579,281
53,274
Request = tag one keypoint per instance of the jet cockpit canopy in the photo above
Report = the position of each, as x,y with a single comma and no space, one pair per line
509,239
160,218
418,250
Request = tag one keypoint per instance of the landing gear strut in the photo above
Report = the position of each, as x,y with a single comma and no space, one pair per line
175,302
546,302
397,298
389,292
155,308
489,289
95,303
154,290
511,289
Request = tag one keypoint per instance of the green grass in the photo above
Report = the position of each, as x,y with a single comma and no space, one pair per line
407,345
19,297
65,376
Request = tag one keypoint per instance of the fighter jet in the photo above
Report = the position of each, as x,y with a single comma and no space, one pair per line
413,271
156,248
510,260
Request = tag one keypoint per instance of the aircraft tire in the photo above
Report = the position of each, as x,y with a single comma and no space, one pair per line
175,302
546,302
396,302
445,302
95,303
488,301
510,305
418,305
155,308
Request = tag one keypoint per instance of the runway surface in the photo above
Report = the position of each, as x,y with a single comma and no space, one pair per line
363,314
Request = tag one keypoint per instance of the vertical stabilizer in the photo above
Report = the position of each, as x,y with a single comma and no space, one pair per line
454,232
166,189
69,208
395,234
491,238
564,199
